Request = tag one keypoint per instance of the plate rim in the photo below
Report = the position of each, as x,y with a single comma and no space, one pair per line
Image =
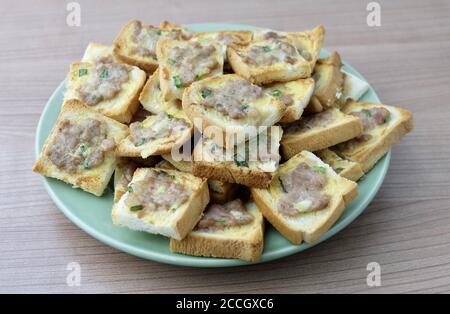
196,261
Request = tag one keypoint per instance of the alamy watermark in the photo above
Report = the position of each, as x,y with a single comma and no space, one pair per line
374,277
374,17
73,18
73,278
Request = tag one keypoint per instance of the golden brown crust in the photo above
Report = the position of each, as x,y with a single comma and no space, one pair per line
232,174
343,128
368,154
91,180
267,74
121,47
345,168
248,247
329,83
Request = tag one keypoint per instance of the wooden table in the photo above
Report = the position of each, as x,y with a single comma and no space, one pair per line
406,229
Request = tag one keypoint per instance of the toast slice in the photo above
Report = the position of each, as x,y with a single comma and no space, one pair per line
383,127
231,105
156,135
345,168
80,148
166,202
251,163
136,42
277,56
295,95
268,61
109,88
319,131
183,62
122,177
152,99
305,198
232,230
219,192
96,52
329,84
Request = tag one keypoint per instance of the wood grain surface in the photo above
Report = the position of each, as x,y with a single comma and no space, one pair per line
406,229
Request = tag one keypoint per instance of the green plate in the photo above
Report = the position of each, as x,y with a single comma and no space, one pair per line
93,214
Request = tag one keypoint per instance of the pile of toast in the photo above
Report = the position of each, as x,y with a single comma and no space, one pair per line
173,178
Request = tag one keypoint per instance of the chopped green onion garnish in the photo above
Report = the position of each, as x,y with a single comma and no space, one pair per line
140,142
367,112
82,72
199,76
169,116
86,164
276,93
158,32
104,73
282,185
171,61
319,169
177,81
203,40
206,92
130,189
266,48
219,105
244,107
83,148
338,170
136,208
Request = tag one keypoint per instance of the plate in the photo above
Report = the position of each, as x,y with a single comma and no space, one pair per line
93,214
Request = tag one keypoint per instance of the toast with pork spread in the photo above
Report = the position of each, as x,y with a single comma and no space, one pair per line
110,88
156,135
159,201
305,198
383,127
232,106
252,163
80,148
135,44
231,230
319,131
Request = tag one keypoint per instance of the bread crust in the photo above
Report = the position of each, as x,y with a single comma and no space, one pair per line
342,128
121,48
329,83
90,180
345,168
248,247
232,174
369,154
243,37
120,108
268,74
345,191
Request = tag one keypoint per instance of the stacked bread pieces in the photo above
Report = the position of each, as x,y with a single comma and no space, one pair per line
210,134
